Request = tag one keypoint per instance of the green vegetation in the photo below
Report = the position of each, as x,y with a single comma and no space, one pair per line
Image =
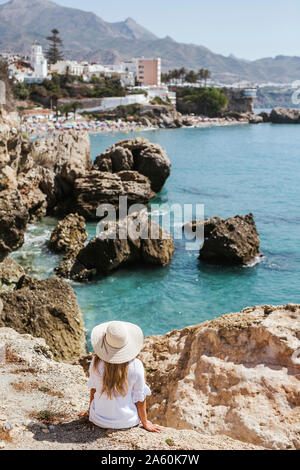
159,101
182,75
170,442
48,416
206,101
54,51
68,86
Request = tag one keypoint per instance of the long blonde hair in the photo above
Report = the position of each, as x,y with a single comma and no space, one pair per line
114,378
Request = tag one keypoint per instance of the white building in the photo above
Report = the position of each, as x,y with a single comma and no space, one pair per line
71,66
38,61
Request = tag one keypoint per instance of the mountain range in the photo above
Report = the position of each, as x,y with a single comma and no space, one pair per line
86,36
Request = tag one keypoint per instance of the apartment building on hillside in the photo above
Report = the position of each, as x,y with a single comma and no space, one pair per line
149,72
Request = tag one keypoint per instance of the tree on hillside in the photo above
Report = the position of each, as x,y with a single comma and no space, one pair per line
182,74
191,77
75,106
204,75
54,51
207,75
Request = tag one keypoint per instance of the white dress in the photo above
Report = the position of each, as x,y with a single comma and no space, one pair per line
119,412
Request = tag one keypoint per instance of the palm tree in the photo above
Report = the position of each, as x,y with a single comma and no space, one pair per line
74,107
191,77
182,74
201,75
207,75
66,110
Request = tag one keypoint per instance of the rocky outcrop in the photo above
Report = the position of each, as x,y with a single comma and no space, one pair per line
35,177
46,309
232,241
13,221
125,242
10,139
138,155
42,400
69,235
10,274
238,102
150,115
99,187
237,375
285,116
67,154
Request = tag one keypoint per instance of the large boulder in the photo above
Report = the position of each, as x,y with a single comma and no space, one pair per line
46,309
138,155
237,375
69,235
67,154
99,187
232,241
285,116
111,249
13,221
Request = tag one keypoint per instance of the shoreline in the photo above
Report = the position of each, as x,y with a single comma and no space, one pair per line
42,129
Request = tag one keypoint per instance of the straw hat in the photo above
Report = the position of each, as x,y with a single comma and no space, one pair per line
117,342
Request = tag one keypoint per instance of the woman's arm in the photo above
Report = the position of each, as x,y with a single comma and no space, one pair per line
92,394
142,412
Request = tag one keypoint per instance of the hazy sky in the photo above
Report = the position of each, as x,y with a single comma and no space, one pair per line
246,28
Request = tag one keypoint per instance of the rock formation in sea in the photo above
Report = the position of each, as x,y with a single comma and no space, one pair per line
283,116
46,309
138,155
42,400
232,241
69,235
134,168
133,240
99,187
237,375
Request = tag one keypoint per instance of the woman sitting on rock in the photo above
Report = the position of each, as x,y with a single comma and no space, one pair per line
117,378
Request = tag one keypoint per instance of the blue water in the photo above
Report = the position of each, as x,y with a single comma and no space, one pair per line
232,170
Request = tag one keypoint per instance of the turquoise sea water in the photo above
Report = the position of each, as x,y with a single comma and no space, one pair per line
231,170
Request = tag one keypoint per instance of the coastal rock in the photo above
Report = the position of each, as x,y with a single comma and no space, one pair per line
34,199
10,138
233,241
112,249
10,273
237,375
69,235
67,154
46,309
265,116
138,155
98,187
8,178
13,221
53,393
255,119
285,116
150,115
